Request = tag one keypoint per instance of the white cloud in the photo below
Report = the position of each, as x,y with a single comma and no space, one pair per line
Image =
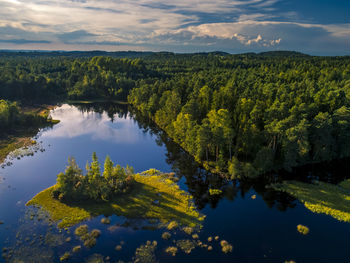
155,25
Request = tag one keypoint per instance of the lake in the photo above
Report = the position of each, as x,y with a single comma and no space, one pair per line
261,229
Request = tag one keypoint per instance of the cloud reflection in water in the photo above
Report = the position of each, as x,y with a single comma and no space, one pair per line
75,123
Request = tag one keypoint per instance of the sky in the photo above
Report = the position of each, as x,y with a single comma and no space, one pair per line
319,27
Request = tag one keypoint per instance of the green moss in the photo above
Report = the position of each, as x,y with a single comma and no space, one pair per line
333,200
303,229
174,203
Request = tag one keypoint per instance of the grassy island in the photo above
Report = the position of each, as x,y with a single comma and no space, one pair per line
320,197
147,195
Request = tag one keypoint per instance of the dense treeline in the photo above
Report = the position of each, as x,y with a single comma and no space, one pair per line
73,185
245,115
43,79
12,118
236,114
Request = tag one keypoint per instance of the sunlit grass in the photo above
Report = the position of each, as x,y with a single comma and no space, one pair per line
174,204
322,198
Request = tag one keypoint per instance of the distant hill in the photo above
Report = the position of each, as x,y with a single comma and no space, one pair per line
283,54
140,54
75,54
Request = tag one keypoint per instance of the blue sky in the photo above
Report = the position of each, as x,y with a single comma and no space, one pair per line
319,27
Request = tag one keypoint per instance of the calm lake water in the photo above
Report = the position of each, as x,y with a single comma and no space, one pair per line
260,230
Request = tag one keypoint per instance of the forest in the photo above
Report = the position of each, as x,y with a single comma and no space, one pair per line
237,115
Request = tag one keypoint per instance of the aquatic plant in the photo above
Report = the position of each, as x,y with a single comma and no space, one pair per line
188,230
171,250
303,229
95,258
145,253
76,249
118,247
186,245
29,254
65,256
166,235
225,246
95,233
320,197
81,230
89,239
105,221
90,242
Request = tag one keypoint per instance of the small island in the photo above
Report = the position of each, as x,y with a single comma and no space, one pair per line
149,195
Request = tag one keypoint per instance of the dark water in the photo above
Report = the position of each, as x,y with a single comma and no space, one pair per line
260,230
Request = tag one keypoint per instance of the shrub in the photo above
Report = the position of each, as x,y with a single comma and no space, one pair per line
171,250
65,256
303,229
166,235
81,230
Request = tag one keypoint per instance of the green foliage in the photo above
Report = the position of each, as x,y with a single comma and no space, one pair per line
73,185
215,191
245,115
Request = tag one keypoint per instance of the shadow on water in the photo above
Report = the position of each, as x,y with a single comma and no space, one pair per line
198,181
